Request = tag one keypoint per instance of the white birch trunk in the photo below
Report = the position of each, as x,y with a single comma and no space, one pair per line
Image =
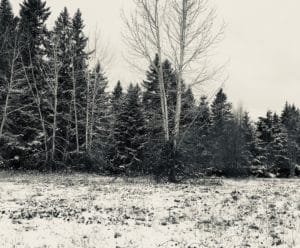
75,107
179,73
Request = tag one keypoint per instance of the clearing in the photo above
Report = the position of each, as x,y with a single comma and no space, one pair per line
92,211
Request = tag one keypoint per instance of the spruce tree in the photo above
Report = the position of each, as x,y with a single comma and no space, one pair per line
279,148
151,96
100,117
32,28
222,118
129,134
265,137
197,140
290,119
7,40
273,145
61,42
248,132
188,108
153,112
241,144
116,98
79,63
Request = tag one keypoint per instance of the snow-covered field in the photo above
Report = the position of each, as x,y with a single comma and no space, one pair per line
92,211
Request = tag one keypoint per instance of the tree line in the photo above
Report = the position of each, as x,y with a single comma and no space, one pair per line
57,113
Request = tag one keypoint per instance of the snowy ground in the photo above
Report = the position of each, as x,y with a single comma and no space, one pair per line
92,211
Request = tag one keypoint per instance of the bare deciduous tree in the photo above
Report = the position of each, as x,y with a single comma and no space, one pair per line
182,31
100,59
191,35
144,38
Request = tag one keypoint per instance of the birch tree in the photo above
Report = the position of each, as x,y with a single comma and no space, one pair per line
30,77
53,82
192,33
100,59
144,38
14,71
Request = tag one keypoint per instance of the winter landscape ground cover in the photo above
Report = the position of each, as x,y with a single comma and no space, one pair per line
94,211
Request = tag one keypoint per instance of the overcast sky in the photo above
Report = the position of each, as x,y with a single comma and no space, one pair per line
262,45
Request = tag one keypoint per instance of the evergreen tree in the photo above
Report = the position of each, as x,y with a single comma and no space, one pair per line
79,63
32,28
249,137
273,144
197,140
188,108
265,137
151,98
129,134
280,149
7,40
151,95
153,114
116,99
242,143
61,42
290,119
116,107
222,119
99,109
29,94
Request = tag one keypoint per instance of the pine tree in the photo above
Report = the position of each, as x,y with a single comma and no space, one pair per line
129,134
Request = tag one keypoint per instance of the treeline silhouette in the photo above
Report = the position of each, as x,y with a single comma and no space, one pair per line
57,114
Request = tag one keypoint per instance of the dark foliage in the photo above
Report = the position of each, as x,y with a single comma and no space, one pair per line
57,115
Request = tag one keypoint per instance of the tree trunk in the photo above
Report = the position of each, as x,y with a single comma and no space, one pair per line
92,117
75,107
54,113
5,111
87,114
11,78
163,97
179,73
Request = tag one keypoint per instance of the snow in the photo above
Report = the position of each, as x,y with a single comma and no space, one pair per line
93,211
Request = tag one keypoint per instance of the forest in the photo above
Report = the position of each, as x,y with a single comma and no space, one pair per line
57,113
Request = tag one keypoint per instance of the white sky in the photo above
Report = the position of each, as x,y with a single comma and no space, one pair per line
262,44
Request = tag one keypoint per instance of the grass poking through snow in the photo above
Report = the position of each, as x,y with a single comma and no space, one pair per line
93,211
